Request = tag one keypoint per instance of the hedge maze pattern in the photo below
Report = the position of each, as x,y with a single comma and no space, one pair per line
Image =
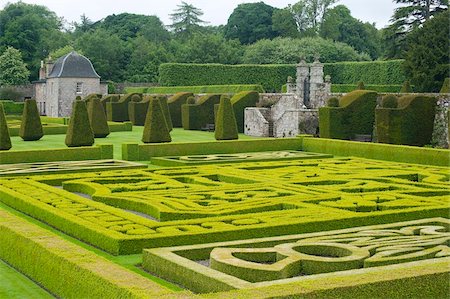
128,210
246,264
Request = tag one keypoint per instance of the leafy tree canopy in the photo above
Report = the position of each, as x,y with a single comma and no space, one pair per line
186,20
13,70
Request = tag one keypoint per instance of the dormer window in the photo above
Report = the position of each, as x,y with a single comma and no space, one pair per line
79,87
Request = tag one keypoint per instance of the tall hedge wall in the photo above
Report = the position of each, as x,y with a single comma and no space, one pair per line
272,77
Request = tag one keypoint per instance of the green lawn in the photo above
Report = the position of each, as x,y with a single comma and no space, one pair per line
57,141
14,285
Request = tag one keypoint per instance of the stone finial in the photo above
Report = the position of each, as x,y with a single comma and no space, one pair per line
327,78
290,79
302,60
317,58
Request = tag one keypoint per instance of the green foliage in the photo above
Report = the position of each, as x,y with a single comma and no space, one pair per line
109,98
250,22
97,118
225,125
445,86
360,86
13,71
137,110
79,132
411,123
389,101
197,89
427,60
344,88
166,112
355,115
309,15
175,102
5,140
339,25
283,23
118,110
12,108
333,102
272,77
155,129
31,127
240,101
186,20
406,87
63,51
199,115
288,51
190,100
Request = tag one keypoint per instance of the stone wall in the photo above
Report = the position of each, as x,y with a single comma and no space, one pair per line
286,125
256,121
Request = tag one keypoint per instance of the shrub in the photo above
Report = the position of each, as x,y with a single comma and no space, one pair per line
165,108
175,103
118,111
389,101
406,87
10,93
13,108
155,129
355,115
333,102
344,88
272,77
79,132
360,86
240,101
445,86
5,140
411,123
137,111
97,118
197,89
190,100
199,115
109,98
31,127
226,127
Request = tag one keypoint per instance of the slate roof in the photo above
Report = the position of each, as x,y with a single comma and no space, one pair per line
73,65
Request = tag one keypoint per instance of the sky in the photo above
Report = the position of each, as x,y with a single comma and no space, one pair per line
216,12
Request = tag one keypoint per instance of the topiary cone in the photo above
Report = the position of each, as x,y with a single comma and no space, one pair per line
31,126
165,108
360,86
5,140
97,118
406,87
226,127
155,128
79,132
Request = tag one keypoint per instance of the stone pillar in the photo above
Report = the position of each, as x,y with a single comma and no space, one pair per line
290,85
317,85
302,83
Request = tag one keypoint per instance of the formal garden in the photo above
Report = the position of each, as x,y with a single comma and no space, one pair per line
302,166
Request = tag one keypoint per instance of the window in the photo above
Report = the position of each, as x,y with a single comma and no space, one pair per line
79,87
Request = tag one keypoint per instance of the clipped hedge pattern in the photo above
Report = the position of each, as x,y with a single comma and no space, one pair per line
226,128
175,102
199,115
355,115
79,132
240,101
410,123
5,139
118,111
272,77
155,128
31,127
138,111
196,89
97,118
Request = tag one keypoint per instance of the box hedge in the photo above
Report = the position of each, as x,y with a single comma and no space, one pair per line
118,111
111,98
97,118
226,128
155,129
175,102
197,89
355,115
79,132
199,115
272,77
137,111
410,123
31,127
5,139
240,101
166,112
12,108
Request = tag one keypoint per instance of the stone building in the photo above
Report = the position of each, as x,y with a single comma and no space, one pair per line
61,82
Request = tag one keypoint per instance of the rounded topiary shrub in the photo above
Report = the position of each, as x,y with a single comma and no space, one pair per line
79,132
165,108
190,100
333,102
226,127
155,128
360,86
406,88
446,86
389,101
31,127
97,118
5,140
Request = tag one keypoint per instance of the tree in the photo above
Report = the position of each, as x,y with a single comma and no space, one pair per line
427,60
250,22
283,23
186,20
33,30
83,26
339,25
309,14
13,71
31,127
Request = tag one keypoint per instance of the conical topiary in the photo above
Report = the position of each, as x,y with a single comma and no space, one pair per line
5,140
79,132
406,88
97,118
360,86
31,127
445,86
165,108
155,128
226,127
